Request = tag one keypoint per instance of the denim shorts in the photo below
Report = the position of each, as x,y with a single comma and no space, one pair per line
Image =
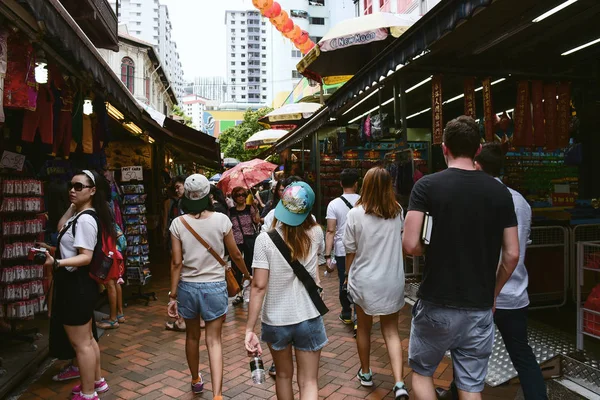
207,299
468,334
305,336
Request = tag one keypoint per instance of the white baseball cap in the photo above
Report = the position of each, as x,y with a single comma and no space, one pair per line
196,190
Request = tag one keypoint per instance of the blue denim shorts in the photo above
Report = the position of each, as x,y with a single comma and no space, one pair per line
468,334
305,336
207,299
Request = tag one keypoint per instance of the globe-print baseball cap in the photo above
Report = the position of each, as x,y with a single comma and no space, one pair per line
296,203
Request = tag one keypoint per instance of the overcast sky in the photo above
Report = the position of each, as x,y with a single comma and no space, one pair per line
199,30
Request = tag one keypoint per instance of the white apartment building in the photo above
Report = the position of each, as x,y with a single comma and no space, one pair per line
261,62
149,21
137,64
209,87
194,106
411,7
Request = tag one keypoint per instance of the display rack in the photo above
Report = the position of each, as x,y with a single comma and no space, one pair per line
588,313
22,283
137,254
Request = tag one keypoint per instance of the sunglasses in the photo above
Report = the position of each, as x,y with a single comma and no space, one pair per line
78,186
239,195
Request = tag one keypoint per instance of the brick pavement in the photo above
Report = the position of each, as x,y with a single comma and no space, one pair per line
143,361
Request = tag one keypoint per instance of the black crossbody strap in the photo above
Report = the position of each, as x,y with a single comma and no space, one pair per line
350,206
301,272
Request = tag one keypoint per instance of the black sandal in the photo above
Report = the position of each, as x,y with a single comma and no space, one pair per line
237,301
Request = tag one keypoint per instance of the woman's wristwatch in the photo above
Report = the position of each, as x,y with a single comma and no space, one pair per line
56,263
172,297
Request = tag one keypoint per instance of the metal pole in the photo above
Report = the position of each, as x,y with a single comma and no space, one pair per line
403,112
317,153
303,170
397,116
321,94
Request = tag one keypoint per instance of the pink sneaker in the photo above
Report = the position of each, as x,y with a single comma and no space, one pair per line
67,373
79,396
100,386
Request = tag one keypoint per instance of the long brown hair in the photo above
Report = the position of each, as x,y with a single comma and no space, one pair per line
377,194
297,238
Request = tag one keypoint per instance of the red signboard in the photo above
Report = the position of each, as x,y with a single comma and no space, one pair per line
488,110
470,109
436,107
537,98
564,113
550,116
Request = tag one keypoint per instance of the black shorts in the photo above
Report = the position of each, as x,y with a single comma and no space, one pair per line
75,297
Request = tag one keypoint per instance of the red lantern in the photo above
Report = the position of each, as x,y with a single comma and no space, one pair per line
288,26
262,4
306,47
280,20
303,38
273,11
294,33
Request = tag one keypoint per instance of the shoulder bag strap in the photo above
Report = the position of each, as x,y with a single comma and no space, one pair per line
350,206
204,243
300,271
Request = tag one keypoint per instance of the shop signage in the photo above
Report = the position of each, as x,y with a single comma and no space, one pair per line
350,155
353,40
470,109
488,110
564,113
132,174
537,98
12,160
520,117
550,115
436,107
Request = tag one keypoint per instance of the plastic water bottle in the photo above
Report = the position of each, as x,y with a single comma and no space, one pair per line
257,370
333,266
246,290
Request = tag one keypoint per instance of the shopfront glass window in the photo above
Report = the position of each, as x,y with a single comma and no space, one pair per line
127,73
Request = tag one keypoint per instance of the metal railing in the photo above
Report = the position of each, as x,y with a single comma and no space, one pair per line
588,266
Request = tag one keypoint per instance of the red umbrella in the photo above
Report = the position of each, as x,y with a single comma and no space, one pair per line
247,175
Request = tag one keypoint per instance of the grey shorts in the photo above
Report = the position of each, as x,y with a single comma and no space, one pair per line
468,334
207,299
307,335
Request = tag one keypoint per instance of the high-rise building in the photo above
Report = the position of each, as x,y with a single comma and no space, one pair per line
261,62
208,87
149,20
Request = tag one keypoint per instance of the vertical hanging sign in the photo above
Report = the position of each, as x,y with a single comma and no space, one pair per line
436,107
469,87
537,97
488,110
564,114
550,115
520,116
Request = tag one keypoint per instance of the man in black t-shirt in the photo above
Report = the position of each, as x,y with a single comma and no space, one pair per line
473,219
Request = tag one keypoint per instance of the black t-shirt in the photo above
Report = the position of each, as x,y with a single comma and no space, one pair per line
470,211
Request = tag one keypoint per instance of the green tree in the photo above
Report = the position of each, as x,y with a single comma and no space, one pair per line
233,139
179,112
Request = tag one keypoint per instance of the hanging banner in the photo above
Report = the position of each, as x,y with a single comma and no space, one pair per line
469,86
550,115
537,98
564,114
436,109
488,110
520,114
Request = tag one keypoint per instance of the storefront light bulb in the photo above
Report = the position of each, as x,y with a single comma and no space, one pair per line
41,73
88,108
170,160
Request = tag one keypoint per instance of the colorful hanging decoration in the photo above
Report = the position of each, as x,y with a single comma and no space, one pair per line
273,11
488,110
288,26
294,33
262,4
306,47
537,99
280,20
469,87
300,40
436,106
564,114
550,115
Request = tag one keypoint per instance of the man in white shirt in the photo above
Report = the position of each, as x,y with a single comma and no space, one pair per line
337,212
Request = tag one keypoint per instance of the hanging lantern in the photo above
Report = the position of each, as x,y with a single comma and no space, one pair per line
306,47
262,4
280,20
288,26
273,11
303,38
88,107
294,33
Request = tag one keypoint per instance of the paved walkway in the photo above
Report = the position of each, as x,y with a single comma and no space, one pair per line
143,361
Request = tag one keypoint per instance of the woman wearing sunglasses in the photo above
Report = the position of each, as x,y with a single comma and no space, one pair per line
244,219
74,292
